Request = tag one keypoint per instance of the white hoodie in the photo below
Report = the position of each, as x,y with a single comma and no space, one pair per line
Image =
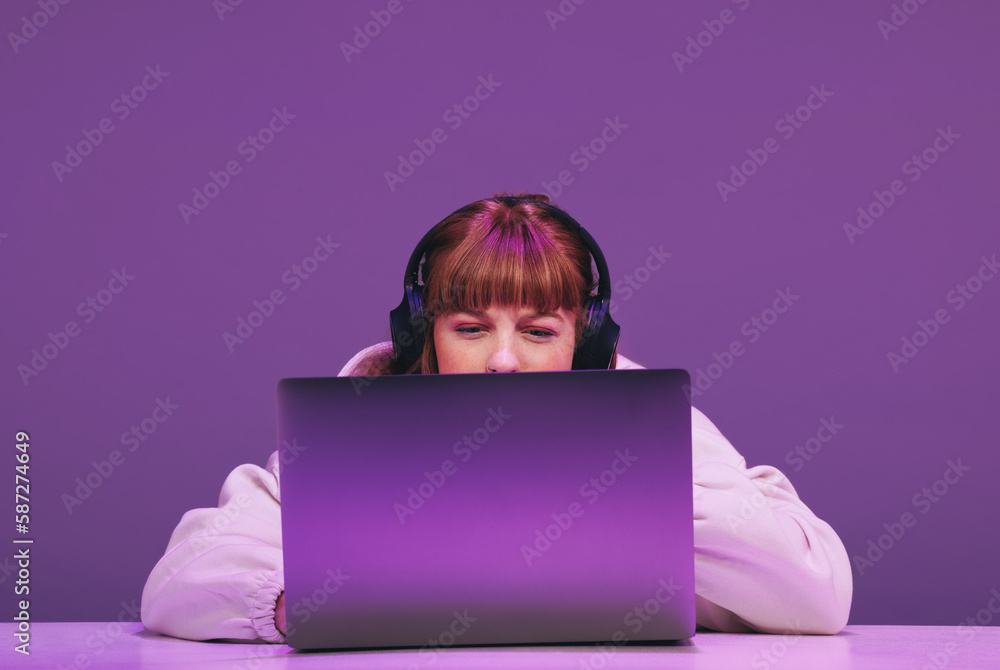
763,561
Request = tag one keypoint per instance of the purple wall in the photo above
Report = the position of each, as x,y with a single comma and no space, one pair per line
207,82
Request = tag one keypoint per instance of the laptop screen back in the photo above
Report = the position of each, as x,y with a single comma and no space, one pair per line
539,507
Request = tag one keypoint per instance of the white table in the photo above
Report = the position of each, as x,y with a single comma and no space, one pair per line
75,646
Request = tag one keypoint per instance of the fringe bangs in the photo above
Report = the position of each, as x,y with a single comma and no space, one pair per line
504,270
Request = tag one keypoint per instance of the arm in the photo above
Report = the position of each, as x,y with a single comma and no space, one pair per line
221,575
763,560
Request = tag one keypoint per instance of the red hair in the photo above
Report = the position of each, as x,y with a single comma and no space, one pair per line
490,253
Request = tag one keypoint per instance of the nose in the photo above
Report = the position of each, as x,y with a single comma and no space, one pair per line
502,360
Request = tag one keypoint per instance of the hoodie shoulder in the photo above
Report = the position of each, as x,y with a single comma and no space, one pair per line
627,364
362,359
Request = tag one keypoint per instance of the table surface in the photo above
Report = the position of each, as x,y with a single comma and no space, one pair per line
81,645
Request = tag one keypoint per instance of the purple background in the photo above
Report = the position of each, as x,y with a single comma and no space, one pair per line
655,185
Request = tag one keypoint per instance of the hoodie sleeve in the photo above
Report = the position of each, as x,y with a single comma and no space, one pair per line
221,575
763,561
222,572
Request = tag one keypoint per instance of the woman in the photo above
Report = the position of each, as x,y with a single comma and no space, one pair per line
505,288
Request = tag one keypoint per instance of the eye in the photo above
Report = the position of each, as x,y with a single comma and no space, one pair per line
541,333
468,329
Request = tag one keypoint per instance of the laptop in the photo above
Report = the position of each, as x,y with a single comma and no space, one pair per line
445,510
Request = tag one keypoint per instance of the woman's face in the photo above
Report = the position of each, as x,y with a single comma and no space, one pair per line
504,339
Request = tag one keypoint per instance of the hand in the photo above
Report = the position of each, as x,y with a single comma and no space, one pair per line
279,613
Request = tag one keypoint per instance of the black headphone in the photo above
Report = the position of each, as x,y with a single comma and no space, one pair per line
600,336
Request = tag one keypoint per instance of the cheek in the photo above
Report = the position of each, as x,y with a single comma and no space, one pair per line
440,350
565,356
448,353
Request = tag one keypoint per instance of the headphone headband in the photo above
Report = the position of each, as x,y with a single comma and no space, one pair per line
600,334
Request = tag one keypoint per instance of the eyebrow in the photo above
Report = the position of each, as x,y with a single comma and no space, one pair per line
482,315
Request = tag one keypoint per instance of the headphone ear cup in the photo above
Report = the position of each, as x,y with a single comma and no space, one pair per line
407,341
418,323
591,316
600,338
587,334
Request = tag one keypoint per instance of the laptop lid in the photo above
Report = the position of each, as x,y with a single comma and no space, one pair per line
461,509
